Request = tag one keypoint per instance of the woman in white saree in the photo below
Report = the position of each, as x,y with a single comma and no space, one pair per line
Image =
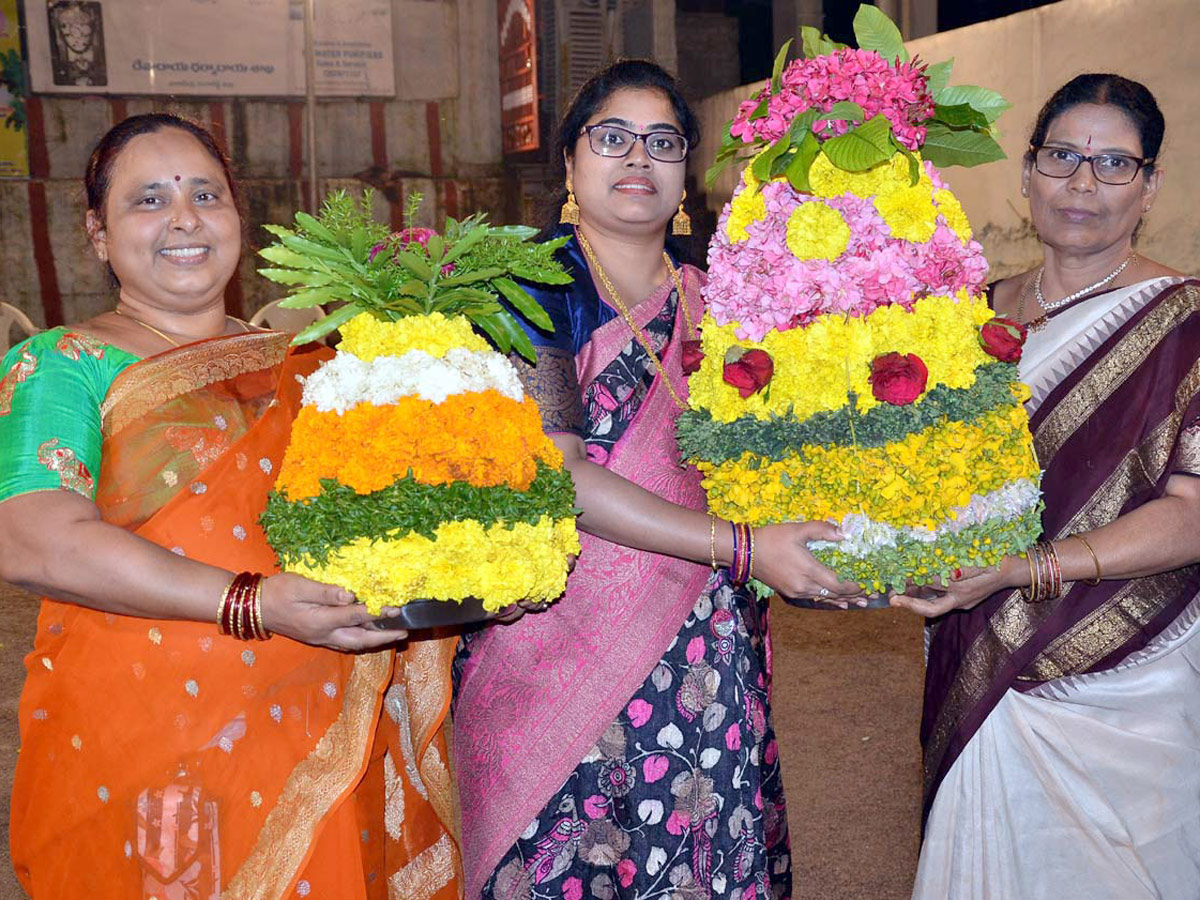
1062,706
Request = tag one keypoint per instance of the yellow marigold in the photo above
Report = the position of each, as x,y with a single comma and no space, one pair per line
367,337
816,366
948,206
909,211
747,206
916,481
500,564
817,231
827,180
483,438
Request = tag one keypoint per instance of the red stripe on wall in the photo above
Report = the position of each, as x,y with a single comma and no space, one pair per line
35,122
296,149
43,253
450,198
433,125
379,153
396,204
118,109
216,124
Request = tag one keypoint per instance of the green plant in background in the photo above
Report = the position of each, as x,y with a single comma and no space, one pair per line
12,79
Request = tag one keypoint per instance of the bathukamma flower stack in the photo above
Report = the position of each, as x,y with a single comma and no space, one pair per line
417,467
852,369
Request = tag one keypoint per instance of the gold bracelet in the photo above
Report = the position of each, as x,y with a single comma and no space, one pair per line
224,602
1095,559
1029,594
750,543
712,541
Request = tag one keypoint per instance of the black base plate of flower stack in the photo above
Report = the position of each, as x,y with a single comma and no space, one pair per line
876,601
417,614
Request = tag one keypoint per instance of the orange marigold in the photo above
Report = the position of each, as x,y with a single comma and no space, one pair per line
483,438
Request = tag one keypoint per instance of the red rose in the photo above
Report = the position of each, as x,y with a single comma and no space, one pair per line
748,370
692,357
898,378
1003,338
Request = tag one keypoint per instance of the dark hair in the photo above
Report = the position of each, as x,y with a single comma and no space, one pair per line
98,176
1131,97
624,74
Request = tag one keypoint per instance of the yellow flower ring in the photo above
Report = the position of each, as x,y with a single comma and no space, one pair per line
748,206
368,447
816,366
948,206
909,211
397,569
889,484
817,231
367,337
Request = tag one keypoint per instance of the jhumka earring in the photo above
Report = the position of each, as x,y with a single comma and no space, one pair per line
570,209
682,224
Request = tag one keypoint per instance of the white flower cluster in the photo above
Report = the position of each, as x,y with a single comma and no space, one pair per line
345,381
864,536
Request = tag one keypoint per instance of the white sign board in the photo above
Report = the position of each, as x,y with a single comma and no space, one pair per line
209,47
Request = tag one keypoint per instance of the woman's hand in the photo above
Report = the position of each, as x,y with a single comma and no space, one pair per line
965,590
783,561
322,615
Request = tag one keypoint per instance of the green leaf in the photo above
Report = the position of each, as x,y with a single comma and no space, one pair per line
470,276
939,76
524,303
801,164
867,145
282,256
416,263
914,166
843,111
322,327
465,243
961,115
520,232
491,327
311,248
875,31
760,111
295,276
816,44
764,161
314,228
780,62
729,150
947,147
436,247
983,100
312,297
358,250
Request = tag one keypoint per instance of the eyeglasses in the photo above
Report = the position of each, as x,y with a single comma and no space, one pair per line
1109,168
615,141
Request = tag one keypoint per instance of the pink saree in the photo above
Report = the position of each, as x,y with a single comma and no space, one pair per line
535,696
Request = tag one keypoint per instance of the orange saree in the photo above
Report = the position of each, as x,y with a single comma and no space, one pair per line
161,759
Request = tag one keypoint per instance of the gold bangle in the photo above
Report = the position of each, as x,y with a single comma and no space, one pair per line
750,547
1095,559
712,541
1029,594
224,602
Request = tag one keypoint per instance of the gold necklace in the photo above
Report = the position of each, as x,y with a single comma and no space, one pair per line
611,290
146,325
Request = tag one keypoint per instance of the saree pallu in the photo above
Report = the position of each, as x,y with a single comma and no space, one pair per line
1062,739
534,697
161,759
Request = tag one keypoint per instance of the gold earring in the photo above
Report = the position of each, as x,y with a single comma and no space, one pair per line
570,209
681,225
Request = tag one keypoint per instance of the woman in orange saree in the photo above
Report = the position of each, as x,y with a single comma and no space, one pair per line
159,757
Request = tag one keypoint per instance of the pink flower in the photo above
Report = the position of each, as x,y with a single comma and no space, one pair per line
654,767
626,869
595,806
572,889
639,712
695,649
733,737
771,753
678,822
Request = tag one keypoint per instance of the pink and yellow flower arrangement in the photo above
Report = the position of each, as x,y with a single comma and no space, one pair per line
850,368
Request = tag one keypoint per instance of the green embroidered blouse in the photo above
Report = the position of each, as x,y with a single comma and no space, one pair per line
50,396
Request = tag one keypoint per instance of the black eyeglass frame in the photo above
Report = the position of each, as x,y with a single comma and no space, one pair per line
637,136
1080,159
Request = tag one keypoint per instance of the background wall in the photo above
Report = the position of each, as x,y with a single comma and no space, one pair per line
1026,57
440,136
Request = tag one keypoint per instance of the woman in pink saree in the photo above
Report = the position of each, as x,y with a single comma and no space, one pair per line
619,744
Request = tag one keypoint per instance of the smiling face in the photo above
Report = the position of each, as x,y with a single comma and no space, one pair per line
1080,214
171,231
633,194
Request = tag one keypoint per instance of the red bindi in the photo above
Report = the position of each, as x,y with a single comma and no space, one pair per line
178,178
